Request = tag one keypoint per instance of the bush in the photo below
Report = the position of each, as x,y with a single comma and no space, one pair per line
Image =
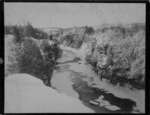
89,30
8,29
30,31
93,61
16,31
73,40
52,51
32,62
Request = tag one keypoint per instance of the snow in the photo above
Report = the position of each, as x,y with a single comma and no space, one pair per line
26,94
112,107
62,82
51,42
106,104
103,103
78,52
66,57
93,102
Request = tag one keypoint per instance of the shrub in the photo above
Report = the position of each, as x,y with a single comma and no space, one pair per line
93,61
68,39
89,30
36,33
31,61
8,29
73,40
29,52
52,51
16,31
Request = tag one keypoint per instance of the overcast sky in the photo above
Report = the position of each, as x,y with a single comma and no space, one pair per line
73,14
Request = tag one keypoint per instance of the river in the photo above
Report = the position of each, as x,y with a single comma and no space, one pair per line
75,78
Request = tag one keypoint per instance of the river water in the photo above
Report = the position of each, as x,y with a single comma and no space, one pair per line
74,77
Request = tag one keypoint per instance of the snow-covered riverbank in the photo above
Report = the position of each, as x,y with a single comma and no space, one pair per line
26,94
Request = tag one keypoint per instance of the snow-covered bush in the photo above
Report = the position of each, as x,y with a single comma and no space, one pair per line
127,54
131,58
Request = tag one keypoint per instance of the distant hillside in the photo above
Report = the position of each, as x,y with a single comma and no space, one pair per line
75,36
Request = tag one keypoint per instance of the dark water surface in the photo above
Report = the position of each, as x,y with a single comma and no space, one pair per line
87,93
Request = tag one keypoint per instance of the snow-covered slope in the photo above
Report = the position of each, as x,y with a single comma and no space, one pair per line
25,94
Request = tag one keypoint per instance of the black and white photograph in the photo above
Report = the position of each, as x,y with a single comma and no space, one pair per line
63,57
